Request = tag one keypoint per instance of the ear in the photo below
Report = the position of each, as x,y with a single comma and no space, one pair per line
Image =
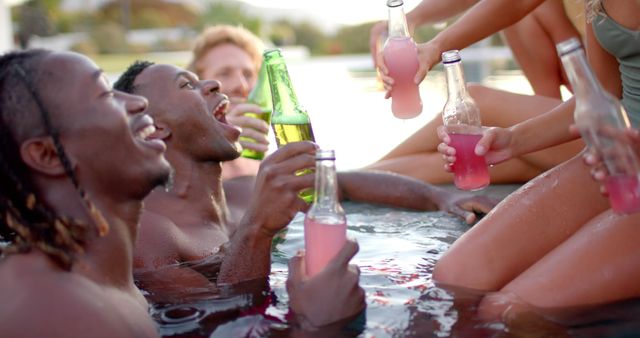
39,153
162,132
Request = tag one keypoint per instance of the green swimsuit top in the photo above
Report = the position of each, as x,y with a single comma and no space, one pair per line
624,44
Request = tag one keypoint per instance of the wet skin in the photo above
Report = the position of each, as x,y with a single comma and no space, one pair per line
105,137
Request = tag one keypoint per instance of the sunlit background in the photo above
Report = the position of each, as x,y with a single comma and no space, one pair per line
325,43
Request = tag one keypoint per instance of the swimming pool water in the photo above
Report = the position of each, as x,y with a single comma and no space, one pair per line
398,249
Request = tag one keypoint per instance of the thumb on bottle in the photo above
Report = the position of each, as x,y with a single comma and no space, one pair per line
485,143
342,258
297,268
420,74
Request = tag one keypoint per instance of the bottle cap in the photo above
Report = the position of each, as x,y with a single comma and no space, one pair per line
567,46
394,3
451,56
323,154
271,51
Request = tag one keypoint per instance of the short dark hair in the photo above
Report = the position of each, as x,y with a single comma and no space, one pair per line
126,80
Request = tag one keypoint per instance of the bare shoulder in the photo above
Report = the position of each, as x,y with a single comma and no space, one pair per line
158,241
40,300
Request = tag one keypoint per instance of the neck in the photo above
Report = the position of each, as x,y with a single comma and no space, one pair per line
107,260
197,195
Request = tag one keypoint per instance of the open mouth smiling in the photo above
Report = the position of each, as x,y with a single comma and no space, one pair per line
219,111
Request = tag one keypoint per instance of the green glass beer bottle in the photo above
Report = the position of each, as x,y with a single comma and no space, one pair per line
260,95
289,119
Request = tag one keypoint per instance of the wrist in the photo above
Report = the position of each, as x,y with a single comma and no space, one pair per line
255,229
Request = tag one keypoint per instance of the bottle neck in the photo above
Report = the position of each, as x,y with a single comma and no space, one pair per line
286,109
583,81
260,95
455,80
326,186
397,23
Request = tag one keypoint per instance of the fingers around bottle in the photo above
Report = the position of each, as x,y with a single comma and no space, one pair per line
248,122
293,149
443,135
420,74
297,183
255,136
293,164
446,150
380,63
448,168
603,190
485,143
342,258
297,271
254,146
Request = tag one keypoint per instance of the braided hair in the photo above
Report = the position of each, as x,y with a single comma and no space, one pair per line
26,222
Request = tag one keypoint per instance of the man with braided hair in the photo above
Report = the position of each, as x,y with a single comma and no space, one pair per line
75,164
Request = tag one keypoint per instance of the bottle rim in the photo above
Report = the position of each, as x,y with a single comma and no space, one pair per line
451,56
394,3
568,46
325,154
271,50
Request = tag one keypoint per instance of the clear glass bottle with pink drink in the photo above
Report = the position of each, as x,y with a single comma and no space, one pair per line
461,117
601,119
325,225
401,58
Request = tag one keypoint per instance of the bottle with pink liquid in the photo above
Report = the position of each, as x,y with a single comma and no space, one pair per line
600,117
462,120
325,225
401,58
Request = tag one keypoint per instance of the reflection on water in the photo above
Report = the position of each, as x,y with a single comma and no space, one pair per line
398,249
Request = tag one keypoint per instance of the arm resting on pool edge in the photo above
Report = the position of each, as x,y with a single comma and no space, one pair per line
406,192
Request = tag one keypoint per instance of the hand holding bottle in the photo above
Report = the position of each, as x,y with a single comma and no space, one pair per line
331,295
495,145
599,172
428,56
254,130
275,199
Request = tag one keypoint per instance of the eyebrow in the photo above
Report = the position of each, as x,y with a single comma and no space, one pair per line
97,74
186,74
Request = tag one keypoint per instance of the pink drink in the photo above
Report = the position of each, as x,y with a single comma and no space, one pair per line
624,193
322,242
470,170
401,58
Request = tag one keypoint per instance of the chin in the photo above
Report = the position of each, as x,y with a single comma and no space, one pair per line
161,176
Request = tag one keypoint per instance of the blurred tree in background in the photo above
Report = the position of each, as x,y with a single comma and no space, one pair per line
34,18
147,14
106,27
230,13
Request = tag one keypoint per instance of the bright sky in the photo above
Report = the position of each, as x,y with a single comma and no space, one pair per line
347,12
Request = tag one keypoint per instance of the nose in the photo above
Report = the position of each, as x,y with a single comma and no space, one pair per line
242,86
210,87
135,104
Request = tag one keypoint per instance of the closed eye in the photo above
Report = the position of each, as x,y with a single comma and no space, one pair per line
188,85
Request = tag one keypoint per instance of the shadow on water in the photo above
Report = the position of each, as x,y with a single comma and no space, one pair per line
398,249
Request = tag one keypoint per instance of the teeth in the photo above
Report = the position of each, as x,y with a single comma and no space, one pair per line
146,132
218,111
